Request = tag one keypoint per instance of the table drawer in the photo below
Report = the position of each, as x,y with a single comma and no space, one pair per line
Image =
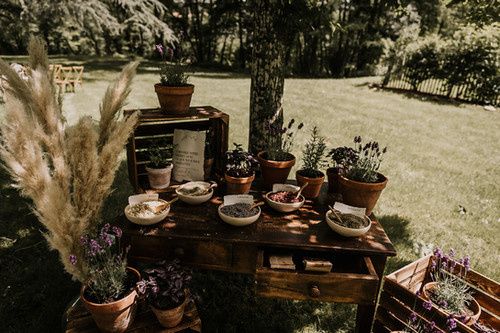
203,254
352,280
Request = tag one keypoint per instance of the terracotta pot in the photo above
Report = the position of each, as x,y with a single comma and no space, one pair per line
170,317
474,307
359,194
238,185
115,316
159,178
207,168
333,180
312,190
274,172
174,100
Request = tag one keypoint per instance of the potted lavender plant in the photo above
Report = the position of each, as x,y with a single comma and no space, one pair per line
110,292
341,158
277,161
174,93
165,287
312,160
159,167
240,170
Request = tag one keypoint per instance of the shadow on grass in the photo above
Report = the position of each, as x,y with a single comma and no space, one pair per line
396,228
424,97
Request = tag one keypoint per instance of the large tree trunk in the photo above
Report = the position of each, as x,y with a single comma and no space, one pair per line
267,72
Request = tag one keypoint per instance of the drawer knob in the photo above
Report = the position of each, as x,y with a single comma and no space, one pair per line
314,291
179,251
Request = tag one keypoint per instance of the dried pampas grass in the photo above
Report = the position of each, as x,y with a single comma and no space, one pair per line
66,171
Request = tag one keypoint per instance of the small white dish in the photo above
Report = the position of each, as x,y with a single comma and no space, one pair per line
238,221
347,232
284,207
194,199
147,220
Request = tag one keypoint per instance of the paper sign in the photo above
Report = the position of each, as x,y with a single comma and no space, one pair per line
346,209
189,155
285,187
135,199
238,198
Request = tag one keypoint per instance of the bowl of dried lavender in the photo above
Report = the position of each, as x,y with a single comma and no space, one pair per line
239,214
348,225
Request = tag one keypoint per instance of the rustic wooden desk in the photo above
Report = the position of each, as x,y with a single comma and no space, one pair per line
197,236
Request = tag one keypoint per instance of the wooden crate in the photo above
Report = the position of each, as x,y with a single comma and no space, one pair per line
154,125
398,299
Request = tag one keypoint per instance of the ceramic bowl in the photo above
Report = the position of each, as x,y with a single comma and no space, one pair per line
238,221
147,220
284,207
194,199
347,232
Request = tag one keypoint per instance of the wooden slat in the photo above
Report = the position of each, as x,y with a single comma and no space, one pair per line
407,271
378,327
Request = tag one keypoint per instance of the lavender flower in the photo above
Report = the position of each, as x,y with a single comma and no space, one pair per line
467,263
451,323
159,49
72,259
438,253
94,248
413,317
117,231
427,305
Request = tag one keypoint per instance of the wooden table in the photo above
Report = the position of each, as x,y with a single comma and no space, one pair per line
197,236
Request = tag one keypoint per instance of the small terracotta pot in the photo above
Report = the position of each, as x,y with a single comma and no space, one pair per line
333,180
116,316
207,168
174,100
170,317
238,185
473,306
313,189
274,172
159,178
359,194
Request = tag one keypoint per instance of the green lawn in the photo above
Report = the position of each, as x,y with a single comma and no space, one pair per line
441,157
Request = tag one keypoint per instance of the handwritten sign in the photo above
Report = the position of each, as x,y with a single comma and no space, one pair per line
138,198
346,209
189,155
238,198
285,187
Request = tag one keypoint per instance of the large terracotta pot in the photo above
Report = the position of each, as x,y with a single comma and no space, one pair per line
174,100
238,185
116,316
159,178
333,180
359,194
313,189
474,307
274,172
170,317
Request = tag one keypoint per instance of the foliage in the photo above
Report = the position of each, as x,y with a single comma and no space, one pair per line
66,171
107,266
165,284
160,154
240,163
280,140
172,71
313,155
342,158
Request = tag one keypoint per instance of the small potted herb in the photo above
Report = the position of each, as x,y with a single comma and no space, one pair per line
341,158
174,92
359,179
159,167
277,161
240,168
312,160
165,286
110,293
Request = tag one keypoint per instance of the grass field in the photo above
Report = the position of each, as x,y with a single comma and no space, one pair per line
442,157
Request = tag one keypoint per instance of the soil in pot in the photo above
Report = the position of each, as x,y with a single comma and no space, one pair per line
159,178
313,189
114,317
170,317
274,172
174,100
359,194
238,185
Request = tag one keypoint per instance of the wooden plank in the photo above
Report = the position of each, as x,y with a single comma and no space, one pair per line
378,327
408,271
389,320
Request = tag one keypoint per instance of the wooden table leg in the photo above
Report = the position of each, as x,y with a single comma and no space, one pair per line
366,313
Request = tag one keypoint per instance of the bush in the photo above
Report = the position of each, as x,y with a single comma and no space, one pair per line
422,60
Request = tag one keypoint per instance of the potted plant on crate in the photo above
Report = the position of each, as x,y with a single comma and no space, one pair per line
359,179
174,93
109,293
277,161
165,286
312,161
240,169
159,167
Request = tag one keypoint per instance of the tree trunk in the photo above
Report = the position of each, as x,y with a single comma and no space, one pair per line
267,72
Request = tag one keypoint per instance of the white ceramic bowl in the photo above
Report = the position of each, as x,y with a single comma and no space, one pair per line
149,220
347,232
238,221
194,199
284,207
